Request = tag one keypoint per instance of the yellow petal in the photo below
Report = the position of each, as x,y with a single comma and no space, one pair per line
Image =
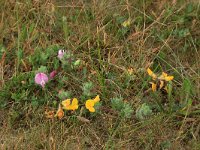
165,77
67,105
75,101
164,74
96,99
74,107
169,78
153,75
161,84
89,103
91,109
66,102
153,86
71,107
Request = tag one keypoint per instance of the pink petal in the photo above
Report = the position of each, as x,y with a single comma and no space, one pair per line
61,53
53,74
41,79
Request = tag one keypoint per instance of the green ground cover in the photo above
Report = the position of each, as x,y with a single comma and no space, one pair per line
109,46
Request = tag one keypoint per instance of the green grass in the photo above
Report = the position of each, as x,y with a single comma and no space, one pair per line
163,35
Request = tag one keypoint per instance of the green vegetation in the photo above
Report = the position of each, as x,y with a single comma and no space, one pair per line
109,45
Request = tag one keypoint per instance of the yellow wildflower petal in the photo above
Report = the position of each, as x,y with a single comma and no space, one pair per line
71,107
164,74
75,101
153,75
91,109
74,107
66,102
68,105
153,86
96,99
89,103
165,77
161,84
169,78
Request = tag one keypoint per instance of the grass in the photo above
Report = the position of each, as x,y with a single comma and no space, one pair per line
163,35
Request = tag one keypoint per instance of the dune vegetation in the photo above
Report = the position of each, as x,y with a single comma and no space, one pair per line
100,74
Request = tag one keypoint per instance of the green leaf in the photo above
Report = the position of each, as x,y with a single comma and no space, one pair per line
2,50
64,95
44,57
187,90
19,54
56,63
124,108
77,63
169,88
31,28
127,110
120,19
117,104
42,69
87,87
189,8
187,86
165,145
161,55
18,97
143,111
35,103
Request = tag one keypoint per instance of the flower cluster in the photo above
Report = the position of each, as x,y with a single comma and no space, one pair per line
161,80
41,78
70,105
73,105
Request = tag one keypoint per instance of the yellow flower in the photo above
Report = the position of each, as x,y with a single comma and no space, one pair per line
153,86
68,105
126,23
91,102
151,74
60,112
165,77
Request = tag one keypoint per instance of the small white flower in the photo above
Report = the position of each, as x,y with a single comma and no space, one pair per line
61,53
